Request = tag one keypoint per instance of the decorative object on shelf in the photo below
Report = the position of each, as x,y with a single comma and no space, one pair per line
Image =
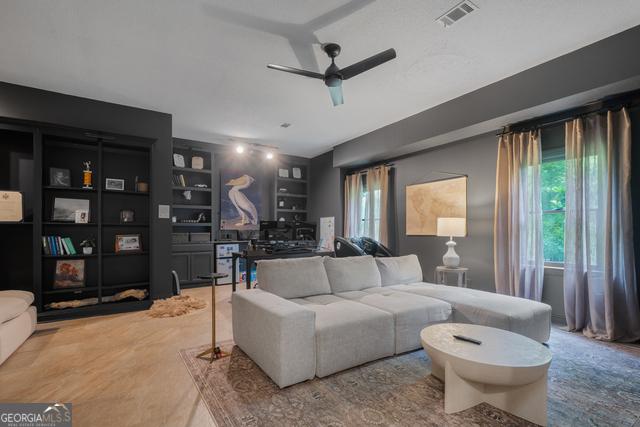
59,305
283,173
82,216
64,210
186,195
197,162
201,217
425,203
142,187
175,306
174,219
283,190
451,227
128,243
87,176
200,185
281,203
138,294
127,215
114,184
87,245
59,177
10,206
179,181
297,173
240,206
69,274
178,160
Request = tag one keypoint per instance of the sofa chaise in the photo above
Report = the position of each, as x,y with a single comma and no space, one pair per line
17,320
317,316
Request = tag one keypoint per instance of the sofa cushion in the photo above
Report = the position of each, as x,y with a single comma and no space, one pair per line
411,313
399,270
523,316
352,273
294,277
13,304
348,333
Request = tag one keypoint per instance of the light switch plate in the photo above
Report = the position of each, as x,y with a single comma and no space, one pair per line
164,211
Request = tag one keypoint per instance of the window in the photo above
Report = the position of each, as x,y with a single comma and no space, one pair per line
369,215
553,185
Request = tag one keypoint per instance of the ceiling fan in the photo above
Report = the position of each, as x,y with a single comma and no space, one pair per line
333,76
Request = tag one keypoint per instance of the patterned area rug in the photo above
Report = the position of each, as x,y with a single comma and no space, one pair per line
591,383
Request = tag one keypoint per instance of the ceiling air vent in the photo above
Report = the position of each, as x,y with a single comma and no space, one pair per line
456,13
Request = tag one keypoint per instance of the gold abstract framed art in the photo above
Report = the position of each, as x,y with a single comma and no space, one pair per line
445,198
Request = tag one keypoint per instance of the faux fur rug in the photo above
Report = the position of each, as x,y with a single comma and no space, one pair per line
178,305
591,383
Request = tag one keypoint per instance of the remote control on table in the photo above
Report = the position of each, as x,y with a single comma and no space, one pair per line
467,339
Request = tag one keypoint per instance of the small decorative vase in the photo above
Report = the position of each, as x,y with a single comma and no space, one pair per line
88,250
451,258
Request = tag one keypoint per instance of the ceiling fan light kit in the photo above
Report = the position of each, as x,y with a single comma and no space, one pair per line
333,75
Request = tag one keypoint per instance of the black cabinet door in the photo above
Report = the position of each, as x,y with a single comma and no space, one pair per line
181,265
201,263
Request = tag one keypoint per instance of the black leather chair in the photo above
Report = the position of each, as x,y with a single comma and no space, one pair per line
358,246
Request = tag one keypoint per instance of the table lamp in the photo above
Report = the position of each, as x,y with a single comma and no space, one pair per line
451,227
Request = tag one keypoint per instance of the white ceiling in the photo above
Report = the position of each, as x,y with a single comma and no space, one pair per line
205,61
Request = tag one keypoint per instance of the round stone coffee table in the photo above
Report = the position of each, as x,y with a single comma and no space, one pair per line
508,370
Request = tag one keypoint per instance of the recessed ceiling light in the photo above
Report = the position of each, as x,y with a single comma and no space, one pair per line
285,125
240,149
269,155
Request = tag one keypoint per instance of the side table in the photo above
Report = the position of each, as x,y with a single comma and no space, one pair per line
215,351
440,275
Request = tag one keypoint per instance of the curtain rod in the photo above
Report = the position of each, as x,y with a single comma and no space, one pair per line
372,167
612,103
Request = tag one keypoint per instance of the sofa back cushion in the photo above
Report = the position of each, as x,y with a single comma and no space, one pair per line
294,277
352,273
399,270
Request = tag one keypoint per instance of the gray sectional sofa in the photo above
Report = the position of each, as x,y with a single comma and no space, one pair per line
317,316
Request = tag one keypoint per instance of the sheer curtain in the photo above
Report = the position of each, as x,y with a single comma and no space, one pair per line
366,197
517,234
600,290
352,204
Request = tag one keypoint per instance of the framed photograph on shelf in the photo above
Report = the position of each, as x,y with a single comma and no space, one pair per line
127,215
64,210
69,274
128,243
59,177
114,184
178,160
197,162
82,216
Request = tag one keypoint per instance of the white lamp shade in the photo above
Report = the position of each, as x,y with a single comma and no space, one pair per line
452,227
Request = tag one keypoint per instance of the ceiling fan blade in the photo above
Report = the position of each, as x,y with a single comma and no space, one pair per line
367,64
336,95
296,71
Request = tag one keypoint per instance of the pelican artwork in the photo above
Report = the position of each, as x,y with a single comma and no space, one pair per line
246,209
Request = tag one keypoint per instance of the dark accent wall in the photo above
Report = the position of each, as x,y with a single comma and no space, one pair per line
326,190
32,105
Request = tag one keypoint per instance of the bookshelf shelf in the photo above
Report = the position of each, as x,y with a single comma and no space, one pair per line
203,207
71,290
192,224
191,170
77,256
205,190
122,254
73,189
128,193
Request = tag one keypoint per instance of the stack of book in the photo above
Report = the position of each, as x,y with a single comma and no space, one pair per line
58,246
179,181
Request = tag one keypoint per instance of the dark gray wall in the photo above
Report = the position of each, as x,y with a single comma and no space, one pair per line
579,77
44,107
476,158
326,191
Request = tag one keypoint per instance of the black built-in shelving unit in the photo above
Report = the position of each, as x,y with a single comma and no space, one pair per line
291,204
192,258
26,154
